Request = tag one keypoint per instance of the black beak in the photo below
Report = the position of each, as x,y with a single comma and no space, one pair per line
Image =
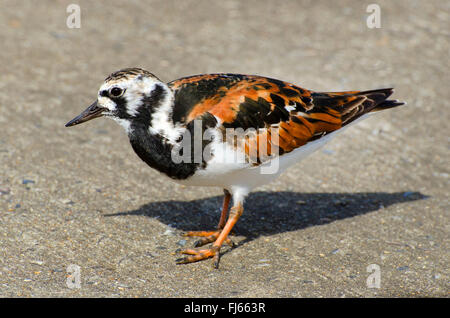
89,113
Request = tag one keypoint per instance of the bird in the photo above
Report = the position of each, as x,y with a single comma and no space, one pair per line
232,131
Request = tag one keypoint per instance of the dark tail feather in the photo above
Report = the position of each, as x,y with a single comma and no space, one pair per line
375,100
388,104
354,104
379,98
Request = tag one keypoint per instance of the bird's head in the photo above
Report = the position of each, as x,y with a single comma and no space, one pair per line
126,95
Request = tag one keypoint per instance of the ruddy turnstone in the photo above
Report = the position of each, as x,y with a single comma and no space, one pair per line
231,131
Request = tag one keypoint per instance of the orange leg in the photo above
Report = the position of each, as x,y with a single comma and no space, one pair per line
225,206
214,251
211,236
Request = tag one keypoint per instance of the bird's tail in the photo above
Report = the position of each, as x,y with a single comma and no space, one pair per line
354,104
379,97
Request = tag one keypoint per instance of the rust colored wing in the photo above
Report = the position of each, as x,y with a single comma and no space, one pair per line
236,99
268,106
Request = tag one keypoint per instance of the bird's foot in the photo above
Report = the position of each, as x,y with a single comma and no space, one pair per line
219,236
207,237
193,255
199,255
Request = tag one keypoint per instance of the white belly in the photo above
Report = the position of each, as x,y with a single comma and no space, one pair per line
224,170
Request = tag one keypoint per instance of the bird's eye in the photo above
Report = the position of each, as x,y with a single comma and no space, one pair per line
116,91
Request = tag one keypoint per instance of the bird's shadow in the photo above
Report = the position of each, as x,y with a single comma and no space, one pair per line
268,213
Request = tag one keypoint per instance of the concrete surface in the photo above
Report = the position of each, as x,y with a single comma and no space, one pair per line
378,194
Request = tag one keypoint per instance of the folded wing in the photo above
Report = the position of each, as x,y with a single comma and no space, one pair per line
277,116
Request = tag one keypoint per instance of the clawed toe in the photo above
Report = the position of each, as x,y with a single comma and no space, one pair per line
207,237
193,256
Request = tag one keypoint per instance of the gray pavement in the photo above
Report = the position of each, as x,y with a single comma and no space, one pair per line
377,194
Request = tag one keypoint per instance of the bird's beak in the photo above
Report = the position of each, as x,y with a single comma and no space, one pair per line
89,113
